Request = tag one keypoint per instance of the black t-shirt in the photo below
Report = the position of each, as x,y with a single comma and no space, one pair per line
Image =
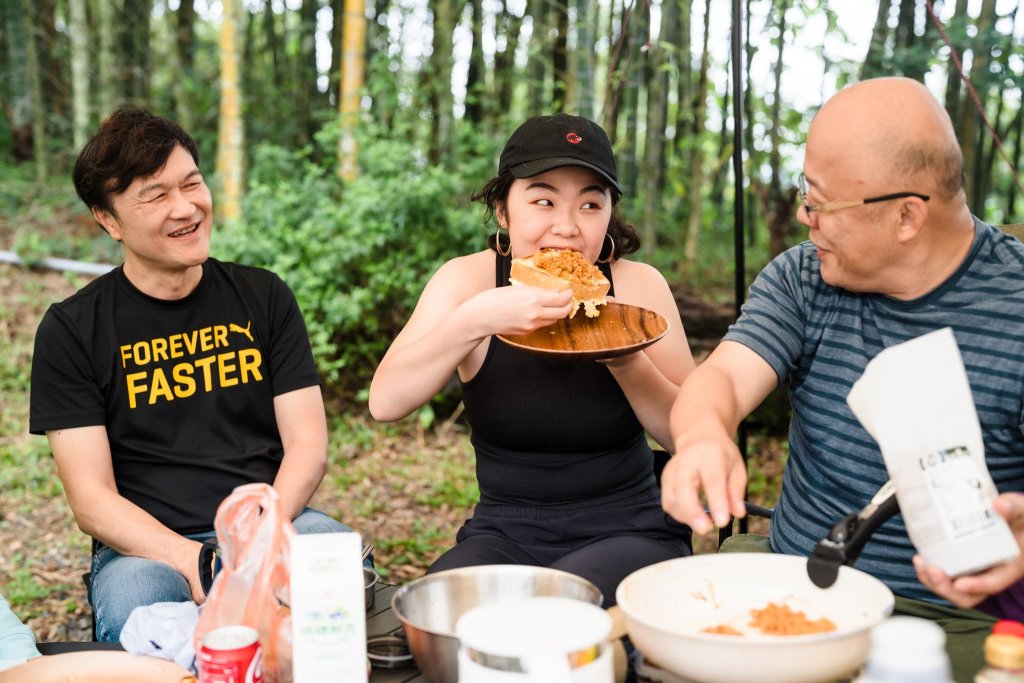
185,388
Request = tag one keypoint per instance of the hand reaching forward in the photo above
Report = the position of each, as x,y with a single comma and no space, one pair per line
713,464
968,591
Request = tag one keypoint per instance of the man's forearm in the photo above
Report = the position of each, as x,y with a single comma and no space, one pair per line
298,478
117,522
706,403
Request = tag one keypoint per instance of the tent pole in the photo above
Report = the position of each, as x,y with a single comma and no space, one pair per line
739,255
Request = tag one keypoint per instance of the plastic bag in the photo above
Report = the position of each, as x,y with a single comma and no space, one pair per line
251,589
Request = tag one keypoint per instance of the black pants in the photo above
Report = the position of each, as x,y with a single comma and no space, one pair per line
604,563
603,544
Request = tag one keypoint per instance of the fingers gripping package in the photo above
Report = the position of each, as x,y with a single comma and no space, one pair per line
560,269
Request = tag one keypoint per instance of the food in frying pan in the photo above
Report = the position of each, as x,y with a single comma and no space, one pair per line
564,269
780,620
777,619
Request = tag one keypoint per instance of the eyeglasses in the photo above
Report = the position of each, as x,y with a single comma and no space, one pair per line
803,188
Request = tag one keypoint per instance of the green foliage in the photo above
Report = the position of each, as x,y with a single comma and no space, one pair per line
358,254
426,541
22,588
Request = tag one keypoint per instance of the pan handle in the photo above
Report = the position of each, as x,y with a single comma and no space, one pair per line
847,538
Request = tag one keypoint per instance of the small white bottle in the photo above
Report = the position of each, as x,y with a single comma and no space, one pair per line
1004,660
907,650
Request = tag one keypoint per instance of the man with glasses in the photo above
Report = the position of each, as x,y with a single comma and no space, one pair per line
893,253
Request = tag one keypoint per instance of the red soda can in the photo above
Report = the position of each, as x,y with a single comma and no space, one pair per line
231,654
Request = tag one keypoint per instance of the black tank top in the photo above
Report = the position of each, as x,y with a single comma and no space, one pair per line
552,432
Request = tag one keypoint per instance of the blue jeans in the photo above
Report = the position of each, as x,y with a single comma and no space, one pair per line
121,583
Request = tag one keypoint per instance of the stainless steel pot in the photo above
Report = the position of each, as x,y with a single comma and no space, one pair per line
370,579
429,607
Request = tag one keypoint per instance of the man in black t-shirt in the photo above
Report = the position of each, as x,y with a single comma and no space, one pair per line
171,380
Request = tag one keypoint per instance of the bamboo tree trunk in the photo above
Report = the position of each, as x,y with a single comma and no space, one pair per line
18,107
53,74
272,41
135,34
874,61
476,90
181,59
109,86
353,49
716,195
972,129
778,208
657,113
504,66
184,34
634,99
957,33
35,84
749,206
684,98
230,134
79,72
307,73
440,78
583,69
7,91
338,14
1011,192
614,48
560,56
247,70
990,151
906,39
539,57
696,185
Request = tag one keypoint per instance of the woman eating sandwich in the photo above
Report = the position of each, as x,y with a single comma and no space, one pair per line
563,463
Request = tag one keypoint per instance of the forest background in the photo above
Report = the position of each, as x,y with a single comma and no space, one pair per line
343,140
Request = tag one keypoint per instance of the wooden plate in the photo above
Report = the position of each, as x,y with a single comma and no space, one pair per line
619,330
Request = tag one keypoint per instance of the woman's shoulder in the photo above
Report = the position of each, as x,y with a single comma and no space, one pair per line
468,265
466,275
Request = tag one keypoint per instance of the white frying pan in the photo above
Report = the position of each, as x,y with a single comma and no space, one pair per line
668,604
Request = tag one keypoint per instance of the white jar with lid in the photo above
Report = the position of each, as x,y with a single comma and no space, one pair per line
907,650
1004,660
535,640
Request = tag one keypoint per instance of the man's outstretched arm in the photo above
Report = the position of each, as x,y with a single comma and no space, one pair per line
713,399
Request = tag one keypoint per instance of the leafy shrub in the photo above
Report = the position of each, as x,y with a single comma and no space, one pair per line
356,254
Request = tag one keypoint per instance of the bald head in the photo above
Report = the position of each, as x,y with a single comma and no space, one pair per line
893,129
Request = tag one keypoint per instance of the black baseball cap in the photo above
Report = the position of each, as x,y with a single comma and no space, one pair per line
546,142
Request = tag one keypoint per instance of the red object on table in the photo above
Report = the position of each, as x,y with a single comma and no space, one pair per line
231,654
1008,627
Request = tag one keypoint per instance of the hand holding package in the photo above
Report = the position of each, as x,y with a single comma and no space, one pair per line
915,400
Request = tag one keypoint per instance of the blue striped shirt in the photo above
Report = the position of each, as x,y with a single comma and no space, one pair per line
821,338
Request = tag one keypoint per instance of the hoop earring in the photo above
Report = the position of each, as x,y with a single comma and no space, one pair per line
497,243
611,254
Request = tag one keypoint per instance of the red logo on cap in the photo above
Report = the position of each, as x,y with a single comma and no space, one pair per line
573,138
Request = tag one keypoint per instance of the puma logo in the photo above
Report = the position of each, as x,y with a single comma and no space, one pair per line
242,330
